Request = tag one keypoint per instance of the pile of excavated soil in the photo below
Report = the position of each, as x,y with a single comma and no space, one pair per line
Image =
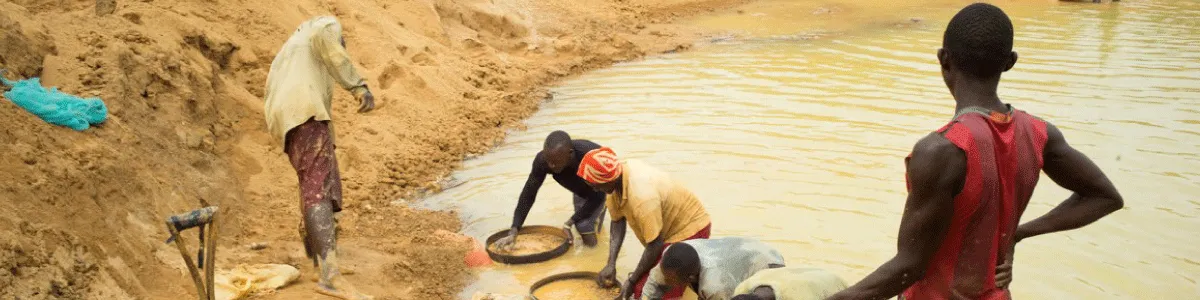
81,212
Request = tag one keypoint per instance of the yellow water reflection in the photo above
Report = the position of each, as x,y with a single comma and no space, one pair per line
795,133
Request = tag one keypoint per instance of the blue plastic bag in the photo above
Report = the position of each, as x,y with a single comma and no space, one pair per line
56,107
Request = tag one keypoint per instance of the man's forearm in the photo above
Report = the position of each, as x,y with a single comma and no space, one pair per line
1077,211
888,281
525,200
649,258
616,238
520,213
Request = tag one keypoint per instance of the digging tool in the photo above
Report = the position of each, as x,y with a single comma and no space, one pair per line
204,220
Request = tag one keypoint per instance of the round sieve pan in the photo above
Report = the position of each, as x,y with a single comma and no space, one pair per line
559,277
530,258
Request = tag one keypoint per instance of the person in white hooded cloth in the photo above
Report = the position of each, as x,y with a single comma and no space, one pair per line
298,114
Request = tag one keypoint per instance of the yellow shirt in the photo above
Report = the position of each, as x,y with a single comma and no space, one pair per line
655,205
798,283
300,84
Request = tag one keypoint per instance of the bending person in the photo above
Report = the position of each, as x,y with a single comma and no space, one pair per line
712,268
789,283
659,210
559,158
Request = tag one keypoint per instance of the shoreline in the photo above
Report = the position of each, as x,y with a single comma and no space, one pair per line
82,211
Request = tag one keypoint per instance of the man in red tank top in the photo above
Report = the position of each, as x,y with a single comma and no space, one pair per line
970,181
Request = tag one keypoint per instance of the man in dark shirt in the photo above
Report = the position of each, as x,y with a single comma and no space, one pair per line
560,158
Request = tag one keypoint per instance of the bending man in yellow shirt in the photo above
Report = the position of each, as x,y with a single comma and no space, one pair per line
297,108
659,210
789,283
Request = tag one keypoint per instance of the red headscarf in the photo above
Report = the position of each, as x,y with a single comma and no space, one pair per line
599,166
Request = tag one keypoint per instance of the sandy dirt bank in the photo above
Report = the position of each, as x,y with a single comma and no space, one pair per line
81,212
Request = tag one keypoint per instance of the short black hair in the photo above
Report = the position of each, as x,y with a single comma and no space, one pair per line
745,297
979,40
681,257
557,138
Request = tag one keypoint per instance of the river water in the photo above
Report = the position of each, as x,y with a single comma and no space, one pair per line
794,132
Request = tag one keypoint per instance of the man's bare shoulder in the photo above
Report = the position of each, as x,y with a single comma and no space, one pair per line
935,145
936,160
1056,144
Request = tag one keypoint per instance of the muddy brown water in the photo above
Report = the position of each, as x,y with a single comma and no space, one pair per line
794,132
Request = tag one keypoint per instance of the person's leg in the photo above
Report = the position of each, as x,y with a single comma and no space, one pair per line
330,281
310,148
333,190
587,226
298,146
333,181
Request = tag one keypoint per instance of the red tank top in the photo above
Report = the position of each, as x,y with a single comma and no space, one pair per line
1004,161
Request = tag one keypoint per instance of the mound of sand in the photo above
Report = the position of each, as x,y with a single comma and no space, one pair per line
81,212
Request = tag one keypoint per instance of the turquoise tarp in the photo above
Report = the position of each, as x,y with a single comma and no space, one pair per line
56,107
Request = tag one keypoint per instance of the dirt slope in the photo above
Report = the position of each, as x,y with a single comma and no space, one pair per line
81,212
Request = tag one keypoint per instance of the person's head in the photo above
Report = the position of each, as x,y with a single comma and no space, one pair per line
759,293
601,169
557,150
977,45
680,265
